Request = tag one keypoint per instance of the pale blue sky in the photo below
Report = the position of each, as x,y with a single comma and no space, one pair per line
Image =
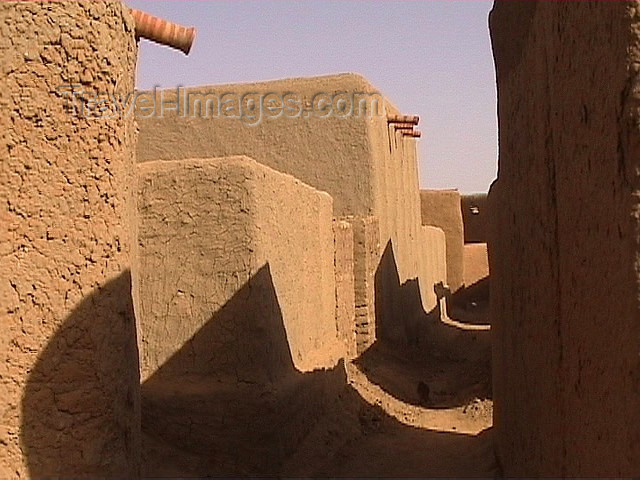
431,58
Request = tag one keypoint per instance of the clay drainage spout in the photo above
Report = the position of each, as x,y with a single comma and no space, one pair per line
163,32
410,119
414,134
405,124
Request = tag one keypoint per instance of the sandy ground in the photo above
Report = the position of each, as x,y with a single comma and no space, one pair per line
381,422
449,434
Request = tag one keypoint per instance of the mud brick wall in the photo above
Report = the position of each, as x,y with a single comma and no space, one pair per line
237,303
69,365
563,247
344,286
433,262
475,217
206,228
366,252
441,208
368,167
476,263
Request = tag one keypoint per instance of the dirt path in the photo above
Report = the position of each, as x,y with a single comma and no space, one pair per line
400,437
384,415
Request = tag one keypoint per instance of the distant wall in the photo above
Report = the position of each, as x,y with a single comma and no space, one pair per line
441,208
434,271
564,246
475,217
69,368
476,263
206,227
330,154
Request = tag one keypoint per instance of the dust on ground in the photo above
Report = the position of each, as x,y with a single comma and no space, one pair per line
396,414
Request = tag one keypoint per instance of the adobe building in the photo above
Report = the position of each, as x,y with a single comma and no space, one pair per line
368,166
463,219
476,221
228,266
69,380
564,239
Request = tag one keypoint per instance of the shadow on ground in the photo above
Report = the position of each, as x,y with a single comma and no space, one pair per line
471,303
249,411
418,357
229,402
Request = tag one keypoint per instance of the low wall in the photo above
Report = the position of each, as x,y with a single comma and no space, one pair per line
366,252
433,261
237,301
476,263
476,278
441,208
68,369
206,226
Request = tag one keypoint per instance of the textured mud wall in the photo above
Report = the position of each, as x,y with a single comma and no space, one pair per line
402,319
441,208
344,286
238,314
404,262
206,227
432,261
366,253
367,166
564,243
476,263
475,217
68,374
330,154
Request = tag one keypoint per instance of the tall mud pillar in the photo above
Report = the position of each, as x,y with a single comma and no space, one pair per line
69,380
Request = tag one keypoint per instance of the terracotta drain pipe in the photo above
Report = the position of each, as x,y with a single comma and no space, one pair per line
163,32
411,119
403,126
413,133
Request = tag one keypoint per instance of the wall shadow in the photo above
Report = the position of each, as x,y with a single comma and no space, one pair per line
470,304
249,411
418,357
401,321
81,402
230,400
